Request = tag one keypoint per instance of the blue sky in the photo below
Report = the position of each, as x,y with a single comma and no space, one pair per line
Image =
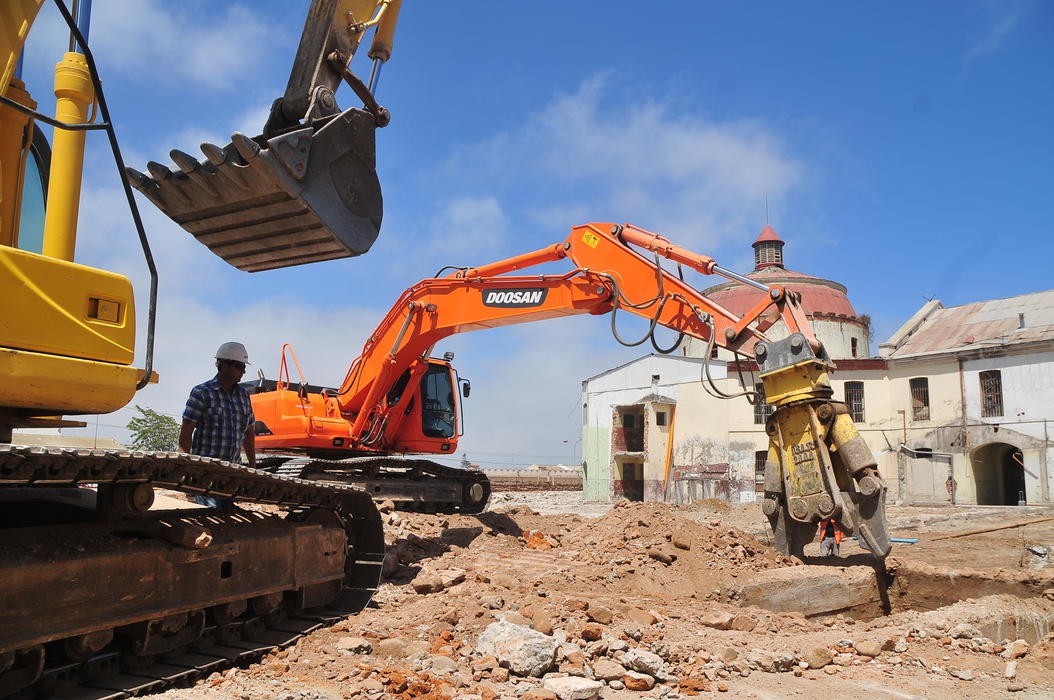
903,149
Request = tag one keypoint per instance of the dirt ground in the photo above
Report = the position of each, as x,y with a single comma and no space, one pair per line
544,596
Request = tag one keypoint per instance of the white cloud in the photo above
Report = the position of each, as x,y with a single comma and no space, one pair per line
695,180
1002,20
466,231
181,43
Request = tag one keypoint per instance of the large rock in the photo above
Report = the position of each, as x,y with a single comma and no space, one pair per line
573,688
644,662
608,670
600,614
354,645
717,620
393,646
770,662
638,681
811,590
868,647
524,651
818,657
641,617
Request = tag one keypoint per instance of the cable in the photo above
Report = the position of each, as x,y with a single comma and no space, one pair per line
709,385
620,299
449,267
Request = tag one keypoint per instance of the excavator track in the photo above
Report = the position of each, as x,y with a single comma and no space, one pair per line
113,599
412,484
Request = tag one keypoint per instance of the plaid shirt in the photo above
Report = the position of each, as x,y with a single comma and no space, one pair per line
221,418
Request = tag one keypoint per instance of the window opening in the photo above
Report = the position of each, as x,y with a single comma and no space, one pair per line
920,398
854,399
762,410
991,393
760,457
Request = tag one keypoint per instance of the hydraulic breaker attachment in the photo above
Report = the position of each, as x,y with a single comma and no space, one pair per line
818,466
304,195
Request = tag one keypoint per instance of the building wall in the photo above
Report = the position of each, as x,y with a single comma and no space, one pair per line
605,450
837,336
954,455
1028,409
596,463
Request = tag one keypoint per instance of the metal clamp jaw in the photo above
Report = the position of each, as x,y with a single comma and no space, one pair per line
819,466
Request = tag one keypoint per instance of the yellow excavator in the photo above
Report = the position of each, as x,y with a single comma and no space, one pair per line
93,581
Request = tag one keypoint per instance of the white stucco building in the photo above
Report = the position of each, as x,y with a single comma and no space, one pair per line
972,387
958,406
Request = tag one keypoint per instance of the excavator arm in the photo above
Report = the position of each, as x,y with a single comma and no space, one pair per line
818,466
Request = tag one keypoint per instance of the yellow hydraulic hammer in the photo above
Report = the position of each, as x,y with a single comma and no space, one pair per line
818,465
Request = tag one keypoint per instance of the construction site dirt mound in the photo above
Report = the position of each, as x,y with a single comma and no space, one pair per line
643,600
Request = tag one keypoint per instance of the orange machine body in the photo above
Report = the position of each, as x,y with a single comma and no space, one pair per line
373,413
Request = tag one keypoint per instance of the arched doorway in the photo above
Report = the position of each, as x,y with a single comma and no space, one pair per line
999,473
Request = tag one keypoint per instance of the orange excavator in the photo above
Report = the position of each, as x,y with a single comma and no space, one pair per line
397,399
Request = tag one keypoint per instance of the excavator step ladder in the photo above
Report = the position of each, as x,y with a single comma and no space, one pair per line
304,195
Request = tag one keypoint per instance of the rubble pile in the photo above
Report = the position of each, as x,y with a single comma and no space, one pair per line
638,603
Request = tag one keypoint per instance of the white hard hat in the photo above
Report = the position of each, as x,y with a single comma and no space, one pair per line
233,351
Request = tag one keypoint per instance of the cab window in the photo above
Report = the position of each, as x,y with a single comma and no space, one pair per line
438,412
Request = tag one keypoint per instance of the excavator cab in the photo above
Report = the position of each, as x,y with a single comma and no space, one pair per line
306,189
421,414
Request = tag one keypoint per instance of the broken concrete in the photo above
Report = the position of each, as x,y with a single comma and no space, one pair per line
813,590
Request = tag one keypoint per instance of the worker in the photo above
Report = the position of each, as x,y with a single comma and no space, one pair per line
830,537
218,420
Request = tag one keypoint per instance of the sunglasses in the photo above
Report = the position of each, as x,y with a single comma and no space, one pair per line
240,366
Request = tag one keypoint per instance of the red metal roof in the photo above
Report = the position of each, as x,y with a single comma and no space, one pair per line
819,297
984,324
767,234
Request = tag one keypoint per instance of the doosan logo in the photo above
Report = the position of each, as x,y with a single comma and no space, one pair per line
514,297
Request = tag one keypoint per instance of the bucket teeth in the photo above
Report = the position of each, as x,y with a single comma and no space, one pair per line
215,155
158,172
184,161
140,181
247,148
248,206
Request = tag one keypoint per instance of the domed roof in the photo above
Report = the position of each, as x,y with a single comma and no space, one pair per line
819,297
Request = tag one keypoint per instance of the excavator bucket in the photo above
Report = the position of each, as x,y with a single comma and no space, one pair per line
304,195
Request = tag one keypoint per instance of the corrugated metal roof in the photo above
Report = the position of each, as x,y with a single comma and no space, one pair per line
1028,318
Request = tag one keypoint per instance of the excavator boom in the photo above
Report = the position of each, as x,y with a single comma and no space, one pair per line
818,467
